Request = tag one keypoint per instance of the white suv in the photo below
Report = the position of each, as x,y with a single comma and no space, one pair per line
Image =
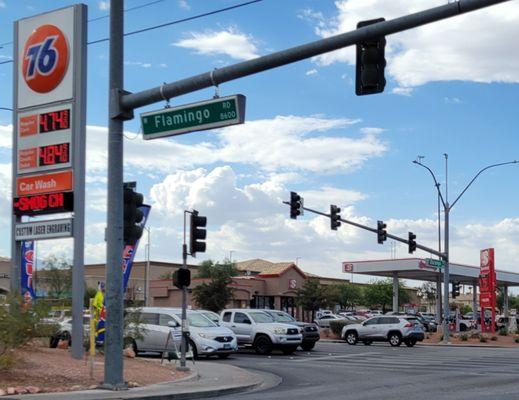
389,328
257,328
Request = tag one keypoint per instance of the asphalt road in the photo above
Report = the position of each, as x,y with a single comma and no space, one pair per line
338,371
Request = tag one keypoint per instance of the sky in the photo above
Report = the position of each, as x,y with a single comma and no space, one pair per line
452,88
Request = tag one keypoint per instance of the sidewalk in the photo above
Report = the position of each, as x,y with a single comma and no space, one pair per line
209,379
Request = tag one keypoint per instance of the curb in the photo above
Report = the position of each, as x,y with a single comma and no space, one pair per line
488,346
140,392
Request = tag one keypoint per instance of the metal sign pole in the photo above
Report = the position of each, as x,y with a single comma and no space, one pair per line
79,143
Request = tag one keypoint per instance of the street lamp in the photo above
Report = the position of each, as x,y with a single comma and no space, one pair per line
447,208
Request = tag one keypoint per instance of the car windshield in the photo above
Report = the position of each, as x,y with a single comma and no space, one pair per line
198,320
261,317
281,317
212,317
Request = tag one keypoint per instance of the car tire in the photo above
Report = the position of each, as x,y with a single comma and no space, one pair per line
395,339
262,345
463,328
192,346
66,336
308,346
410,343
54,340
351,338
223,356
135,349
367,342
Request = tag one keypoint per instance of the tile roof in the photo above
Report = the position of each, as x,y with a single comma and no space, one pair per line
276,268
255,265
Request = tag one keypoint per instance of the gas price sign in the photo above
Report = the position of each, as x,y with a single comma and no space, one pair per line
44,139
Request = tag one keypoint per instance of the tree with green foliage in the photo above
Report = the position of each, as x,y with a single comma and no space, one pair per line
312,296
346,295
56,276
208,269
380,294
215,294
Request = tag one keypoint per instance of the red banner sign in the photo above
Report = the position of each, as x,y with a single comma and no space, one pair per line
487,289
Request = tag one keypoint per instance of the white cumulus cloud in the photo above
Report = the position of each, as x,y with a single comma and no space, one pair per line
471,47
230,42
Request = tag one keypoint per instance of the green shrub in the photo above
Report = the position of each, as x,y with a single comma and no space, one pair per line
337,325
19,323
503,331
517,331
464,337
494,338
483,338
474,335
516,340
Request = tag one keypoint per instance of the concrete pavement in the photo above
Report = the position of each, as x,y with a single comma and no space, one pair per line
209,379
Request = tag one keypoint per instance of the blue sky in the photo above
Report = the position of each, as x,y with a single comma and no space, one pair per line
452,88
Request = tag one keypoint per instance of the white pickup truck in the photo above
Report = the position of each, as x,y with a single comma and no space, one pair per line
257,329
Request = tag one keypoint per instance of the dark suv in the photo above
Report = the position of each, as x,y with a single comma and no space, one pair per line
310,331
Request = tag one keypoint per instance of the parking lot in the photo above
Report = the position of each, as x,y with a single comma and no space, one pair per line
380,371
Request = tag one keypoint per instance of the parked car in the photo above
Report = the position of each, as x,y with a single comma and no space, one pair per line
320,313
64,331
258,329
205,337
324,320
211,315
428,324
392,329
310,331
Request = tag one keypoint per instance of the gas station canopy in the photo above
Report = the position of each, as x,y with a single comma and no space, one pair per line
420,270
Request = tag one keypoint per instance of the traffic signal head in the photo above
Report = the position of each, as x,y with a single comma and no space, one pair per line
197,234
182,277
132,216
381,232
455,289
412,242
370,63
296,205
335,217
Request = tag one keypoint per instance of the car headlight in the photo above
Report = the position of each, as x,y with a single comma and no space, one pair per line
279,331
206,335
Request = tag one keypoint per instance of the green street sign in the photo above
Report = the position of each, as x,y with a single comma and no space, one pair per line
435,263
210,114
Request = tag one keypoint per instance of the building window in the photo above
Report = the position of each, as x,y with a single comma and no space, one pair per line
263,302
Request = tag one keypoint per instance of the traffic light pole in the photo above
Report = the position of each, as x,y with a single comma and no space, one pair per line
121,107
183,345
215,77
374,230
113,371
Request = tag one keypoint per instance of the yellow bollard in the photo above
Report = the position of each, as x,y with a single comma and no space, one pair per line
92,331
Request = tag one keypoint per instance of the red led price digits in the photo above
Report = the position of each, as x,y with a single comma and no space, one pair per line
55,121
44,204
54,154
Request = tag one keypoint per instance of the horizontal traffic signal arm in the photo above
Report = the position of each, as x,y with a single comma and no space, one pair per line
374,230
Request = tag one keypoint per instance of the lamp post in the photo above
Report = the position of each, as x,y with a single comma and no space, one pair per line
230,255
447,208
